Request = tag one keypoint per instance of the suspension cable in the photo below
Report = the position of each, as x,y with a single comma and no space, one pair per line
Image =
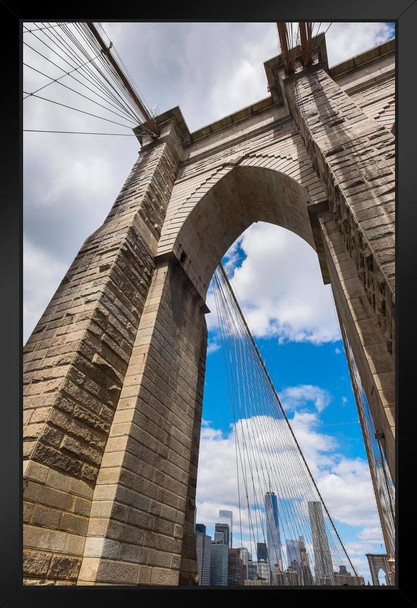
248,381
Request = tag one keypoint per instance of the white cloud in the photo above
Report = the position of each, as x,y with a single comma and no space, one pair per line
349,494
211,317
374,534
213,69
316,446
213,347
345,40
217,467
41,276
280,287
242,82
344,483
294,397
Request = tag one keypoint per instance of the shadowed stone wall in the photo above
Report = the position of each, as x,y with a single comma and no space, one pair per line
75,363
139,530
355,158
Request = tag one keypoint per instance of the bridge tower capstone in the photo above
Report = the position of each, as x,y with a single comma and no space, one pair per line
114,370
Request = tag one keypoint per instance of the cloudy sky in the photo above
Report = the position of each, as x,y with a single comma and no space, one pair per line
209,70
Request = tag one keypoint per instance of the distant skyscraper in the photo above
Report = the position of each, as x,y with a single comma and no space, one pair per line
323,567
293,554
278,578
306,578
263,571
289,578
262,566
235,568
203,547
293,578
219,537
272,531
252,570
345,578
246,557
226,517
221,527
261,552
219,564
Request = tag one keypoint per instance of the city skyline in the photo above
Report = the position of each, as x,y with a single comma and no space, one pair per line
221,565
316,552
271,565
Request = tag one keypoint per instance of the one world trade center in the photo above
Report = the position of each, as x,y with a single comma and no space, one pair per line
272,531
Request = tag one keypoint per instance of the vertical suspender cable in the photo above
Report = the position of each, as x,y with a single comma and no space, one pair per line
226,280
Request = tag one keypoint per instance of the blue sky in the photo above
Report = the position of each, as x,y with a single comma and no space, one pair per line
209,70
291,365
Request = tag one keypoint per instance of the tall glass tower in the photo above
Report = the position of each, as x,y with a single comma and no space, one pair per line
293,555
224,529
323,567
203,547
261,552
226,517
272,531
306,576
219,564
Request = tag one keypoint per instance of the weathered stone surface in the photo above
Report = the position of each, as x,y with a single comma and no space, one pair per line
35,563
76,358
371,146
162,576
64,568
122,572
46,517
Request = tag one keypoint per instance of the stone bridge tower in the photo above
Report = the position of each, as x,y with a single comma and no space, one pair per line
378,562
114,370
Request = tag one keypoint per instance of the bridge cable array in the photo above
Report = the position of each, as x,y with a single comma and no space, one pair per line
83,61
78,50
268,455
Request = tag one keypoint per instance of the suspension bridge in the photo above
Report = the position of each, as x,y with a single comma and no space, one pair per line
114,370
